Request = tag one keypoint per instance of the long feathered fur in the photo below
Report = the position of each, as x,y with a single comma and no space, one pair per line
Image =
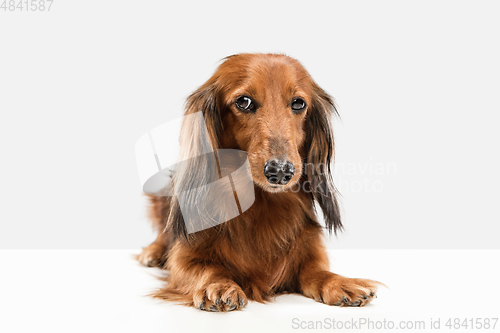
276,245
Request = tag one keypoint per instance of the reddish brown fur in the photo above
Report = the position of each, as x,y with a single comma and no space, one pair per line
275,246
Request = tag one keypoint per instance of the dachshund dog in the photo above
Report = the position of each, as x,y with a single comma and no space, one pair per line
268,106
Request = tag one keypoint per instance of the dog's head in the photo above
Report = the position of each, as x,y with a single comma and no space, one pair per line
269,106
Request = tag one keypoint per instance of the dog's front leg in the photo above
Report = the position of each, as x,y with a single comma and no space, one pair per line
203,284
317,282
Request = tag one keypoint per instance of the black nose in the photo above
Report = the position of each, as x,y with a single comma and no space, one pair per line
278,172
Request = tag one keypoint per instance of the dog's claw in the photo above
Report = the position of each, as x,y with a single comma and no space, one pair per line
355,304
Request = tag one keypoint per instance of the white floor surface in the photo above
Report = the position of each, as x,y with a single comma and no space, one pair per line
104,291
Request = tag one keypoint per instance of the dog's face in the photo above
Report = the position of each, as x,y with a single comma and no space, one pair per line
270,107
264,104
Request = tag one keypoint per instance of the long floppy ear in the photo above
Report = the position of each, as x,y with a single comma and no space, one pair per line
195,141
320,153
205,99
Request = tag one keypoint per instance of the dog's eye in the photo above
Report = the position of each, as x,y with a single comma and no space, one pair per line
298,105
245,103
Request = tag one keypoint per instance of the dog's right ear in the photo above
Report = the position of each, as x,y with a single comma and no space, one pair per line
205,99
197,138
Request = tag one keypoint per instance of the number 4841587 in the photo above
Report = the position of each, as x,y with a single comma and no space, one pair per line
470,323
26,5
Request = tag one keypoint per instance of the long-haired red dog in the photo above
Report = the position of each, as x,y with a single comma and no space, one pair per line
269,106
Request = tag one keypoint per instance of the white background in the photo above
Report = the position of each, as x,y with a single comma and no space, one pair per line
416,83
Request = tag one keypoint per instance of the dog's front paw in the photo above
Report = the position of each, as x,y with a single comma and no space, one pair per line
342,291
152,256
220,297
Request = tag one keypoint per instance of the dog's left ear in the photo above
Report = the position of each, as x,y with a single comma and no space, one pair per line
320,153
